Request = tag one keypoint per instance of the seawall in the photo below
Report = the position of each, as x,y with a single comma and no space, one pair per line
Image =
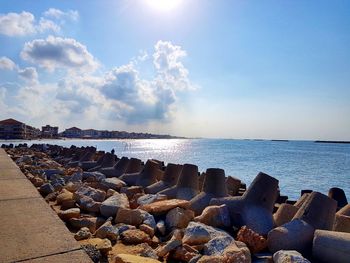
30,231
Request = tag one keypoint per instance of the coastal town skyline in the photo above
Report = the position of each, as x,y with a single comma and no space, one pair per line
223,69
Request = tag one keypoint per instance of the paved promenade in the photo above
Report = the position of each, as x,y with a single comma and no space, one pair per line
30,231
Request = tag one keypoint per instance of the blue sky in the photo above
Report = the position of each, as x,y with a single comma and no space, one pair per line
227,69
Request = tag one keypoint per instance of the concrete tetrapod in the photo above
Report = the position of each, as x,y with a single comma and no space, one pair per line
187,185
118,169
254,208
171,175
146,177
86,165
286,212
342,220
134,166
317,212
86,156
331,246
213,187
109,160
338,195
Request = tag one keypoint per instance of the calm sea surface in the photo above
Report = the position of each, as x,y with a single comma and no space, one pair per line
296,164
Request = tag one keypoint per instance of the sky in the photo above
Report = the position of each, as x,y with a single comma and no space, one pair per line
194,68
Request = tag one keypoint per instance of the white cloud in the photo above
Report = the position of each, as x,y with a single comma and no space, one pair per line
57,52
167,61
29,74
24,23
59,14
6,63
17,24
121,95
47,25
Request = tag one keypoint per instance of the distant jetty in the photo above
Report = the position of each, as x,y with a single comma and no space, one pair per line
346,142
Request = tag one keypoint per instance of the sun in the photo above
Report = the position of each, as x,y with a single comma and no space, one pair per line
164,5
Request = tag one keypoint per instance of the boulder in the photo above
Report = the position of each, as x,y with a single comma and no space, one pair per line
127,258
147,229
129,216
331,246
72,187
162,207
110,206
150,198
64,196
112,183
184,253
37,181
237,252
178,218
209,259
90,222
83,233
146,250
289,256
88,204
107,230
133,237
131,191
123,227
110,192
217,245
96,194
68,214
46,189
196,235
216,216
103,245
160,227
169,246
93,176
254,241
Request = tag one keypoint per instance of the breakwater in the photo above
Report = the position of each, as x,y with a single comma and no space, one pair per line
126,208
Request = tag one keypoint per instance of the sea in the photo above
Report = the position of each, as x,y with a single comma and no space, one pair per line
296,164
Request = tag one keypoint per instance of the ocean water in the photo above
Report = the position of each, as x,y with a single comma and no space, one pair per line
296,164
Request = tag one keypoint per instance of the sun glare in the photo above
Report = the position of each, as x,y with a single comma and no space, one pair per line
164,5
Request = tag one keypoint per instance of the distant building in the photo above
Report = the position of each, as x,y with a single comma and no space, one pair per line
13,129
90,133
73,132
49,131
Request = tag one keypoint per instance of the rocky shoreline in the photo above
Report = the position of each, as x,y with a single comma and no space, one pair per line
124,210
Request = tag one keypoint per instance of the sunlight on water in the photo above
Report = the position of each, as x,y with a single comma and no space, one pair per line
163,145
296,164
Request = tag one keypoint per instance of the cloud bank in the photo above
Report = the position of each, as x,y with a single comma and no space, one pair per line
24,23
56,52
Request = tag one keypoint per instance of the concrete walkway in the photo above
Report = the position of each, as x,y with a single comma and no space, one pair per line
30,231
